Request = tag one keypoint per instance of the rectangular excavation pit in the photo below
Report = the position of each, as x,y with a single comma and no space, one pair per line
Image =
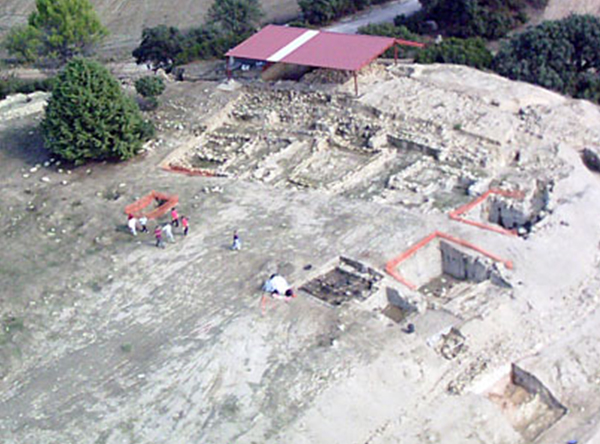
442,266
507,212
398,308
528,405
519,215
330,165
348,280
450,343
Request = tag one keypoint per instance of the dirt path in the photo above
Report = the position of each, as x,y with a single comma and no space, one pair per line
379,14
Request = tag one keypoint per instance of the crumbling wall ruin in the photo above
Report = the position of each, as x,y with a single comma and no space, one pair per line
463,265
520,214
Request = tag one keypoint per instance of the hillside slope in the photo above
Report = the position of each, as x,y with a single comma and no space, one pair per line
126,18
560,8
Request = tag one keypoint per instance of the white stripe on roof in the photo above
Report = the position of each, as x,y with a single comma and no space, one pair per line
292,46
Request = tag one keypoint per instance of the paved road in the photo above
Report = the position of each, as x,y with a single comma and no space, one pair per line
382,14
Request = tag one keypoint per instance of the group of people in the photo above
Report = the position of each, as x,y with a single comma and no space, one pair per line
276,285
166,229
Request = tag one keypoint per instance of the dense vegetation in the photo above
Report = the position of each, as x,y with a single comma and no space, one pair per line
489,19
56,31
320,12
470,52
229,22
398,32
89,117
14,85
562,55
150,87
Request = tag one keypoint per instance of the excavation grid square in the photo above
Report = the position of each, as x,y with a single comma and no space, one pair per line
348,280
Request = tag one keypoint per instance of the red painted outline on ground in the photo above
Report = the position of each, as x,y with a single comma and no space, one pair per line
137,208
391,266
188,171
457,214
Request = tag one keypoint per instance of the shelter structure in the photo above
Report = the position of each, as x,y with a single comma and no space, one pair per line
314,48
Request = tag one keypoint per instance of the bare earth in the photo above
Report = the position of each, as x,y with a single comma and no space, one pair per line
125,19
107,339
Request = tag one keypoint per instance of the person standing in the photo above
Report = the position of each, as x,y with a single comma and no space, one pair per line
131,223
158,236
174,217
168,230
143,224
185,224
237,243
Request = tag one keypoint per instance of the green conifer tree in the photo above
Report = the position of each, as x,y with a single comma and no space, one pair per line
89,117
56,30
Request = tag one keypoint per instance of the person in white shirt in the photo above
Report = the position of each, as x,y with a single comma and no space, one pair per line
143,224
132,224
168,230
278,286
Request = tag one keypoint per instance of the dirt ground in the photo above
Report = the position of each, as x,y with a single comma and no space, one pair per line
125,19
108,339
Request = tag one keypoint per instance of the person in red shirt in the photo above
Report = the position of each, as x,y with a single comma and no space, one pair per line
185,224
158,236
174,217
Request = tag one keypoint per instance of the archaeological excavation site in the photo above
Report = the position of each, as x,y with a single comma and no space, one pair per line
439,227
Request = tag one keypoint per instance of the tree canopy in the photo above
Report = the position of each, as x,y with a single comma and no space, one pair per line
228,23
562,55
319,12
89,117
160,46
235,16
490,19
470,52
56,30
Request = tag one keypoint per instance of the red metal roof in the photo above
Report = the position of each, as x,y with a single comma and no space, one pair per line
266,42
320,49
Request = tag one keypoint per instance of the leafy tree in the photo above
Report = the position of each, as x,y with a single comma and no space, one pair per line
56,30
562,55
235,16
490,19
470,52
229,22
89,117
319,12
160,47
24,42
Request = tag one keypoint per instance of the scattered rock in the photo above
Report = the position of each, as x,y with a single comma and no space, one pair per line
591,158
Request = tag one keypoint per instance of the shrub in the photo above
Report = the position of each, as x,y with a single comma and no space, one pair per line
470,52
562,55
150,86
89,117
398,32
14,85
56,31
